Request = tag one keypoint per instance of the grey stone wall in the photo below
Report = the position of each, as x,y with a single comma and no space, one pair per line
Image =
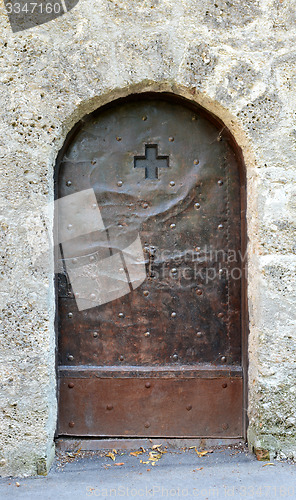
235,58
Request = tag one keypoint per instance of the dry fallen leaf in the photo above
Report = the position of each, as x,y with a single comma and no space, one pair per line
115,452
17,484
111,455
143,449
203,453
120,463
156,446
195,470
268,463
154,456
135,453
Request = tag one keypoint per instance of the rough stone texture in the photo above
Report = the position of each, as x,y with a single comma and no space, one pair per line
236,59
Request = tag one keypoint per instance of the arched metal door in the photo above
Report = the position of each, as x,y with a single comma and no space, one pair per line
150,295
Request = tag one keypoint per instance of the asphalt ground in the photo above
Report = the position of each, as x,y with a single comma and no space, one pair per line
222,473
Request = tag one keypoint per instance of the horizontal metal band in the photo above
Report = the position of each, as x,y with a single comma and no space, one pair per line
181,371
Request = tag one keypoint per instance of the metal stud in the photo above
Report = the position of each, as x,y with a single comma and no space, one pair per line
68,183
119,183
147,385
175,357
121,358
224,385
147,425
74,261
172,183
92,258
171,139
121,315
198,292
172,226
174,270
223,359
69,227
93,162
189,407
196,162
71,424
199,334
147,334
70,315
94,205
95,335
118,138
70,385
220,226
144,118
174,314
146,293
70,357
220,182
220,315
145,205
197,206
109,407
194,118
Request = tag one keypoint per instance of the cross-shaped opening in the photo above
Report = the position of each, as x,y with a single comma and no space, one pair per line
151,161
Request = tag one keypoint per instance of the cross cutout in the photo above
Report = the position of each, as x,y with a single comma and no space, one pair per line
151,161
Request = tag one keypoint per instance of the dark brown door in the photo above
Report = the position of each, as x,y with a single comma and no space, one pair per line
163,356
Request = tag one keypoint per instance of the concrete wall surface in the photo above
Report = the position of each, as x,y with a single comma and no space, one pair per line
237,59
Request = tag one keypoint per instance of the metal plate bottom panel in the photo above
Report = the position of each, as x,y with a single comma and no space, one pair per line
151,407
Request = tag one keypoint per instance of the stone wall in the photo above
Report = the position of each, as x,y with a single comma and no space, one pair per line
234,58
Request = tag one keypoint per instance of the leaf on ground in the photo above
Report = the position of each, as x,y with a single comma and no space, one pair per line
268,463
141,461
135,453
110,455
143,449
156,446
203,453
115,452
195,470
153,456
119,463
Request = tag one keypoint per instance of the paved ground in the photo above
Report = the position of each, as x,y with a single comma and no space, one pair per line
224,473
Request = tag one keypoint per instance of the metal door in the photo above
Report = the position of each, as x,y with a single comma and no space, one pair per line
164,356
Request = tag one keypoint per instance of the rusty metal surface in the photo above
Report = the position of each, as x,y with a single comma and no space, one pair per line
163,171
151,407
